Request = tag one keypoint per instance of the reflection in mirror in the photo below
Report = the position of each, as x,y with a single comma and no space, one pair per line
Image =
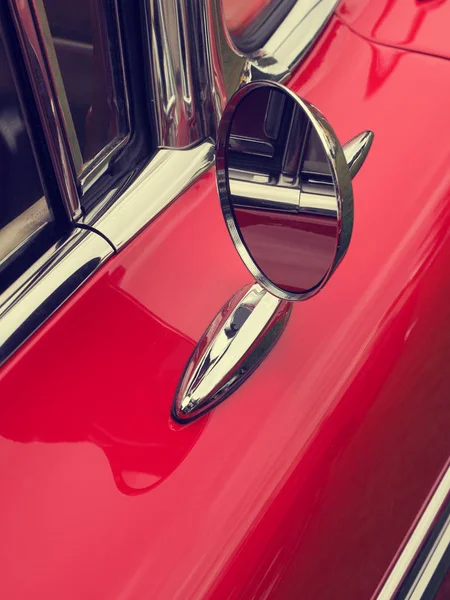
282,190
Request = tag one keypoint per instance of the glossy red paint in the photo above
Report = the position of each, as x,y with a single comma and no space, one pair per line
417,25
238,15
303,483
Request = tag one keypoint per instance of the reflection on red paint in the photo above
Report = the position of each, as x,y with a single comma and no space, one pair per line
417,25
132,426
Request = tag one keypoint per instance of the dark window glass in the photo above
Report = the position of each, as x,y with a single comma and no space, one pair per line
23,209
86,42
253,22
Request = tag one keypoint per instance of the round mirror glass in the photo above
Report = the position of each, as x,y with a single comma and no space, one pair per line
284,186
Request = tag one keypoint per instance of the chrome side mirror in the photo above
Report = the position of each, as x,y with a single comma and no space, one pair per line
285,187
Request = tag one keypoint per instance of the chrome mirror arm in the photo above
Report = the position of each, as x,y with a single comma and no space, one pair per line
241,335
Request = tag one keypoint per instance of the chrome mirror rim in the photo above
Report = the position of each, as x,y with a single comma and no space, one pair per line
342,181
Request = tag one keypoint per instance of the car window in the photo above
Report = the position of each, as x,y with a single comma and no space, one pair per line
86,43
253,22
24,210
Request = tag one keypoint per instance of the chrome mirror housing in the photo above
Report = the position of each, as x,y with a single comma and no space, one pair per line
285,188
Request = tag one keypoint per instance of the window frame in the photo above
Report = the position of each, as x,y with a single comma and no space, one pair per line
88,173
75,179
145,177
53,115
37,239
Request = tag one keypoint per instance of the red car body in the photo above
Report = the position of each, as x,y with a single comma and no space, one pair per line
306,481
239,15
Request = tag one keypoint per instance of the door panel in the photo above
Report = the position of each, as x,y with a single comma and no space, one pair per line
420,26
307,479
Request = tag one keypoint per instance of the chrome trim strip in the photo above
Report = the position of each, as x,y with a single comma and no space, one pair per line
31,25
33,298
38,47
293,38
420,586
416,539
179,120
18,232
197,67
166,176
42,289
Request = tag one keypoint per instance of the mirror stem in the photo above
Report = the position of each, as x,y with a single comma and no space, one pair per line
356,151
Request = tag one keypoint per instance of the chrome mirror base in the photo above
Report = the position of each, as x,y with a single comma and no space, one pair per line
238,339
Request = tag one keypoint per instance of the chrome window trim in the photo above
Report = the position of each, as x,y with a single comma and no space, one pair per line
53,108
420,587
171,49
195,86
122,215
74,177
18,232
36,291
35,296
422,528
282,52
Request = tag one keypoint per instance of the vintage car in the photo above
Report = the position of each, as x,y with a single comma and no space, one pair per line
189,414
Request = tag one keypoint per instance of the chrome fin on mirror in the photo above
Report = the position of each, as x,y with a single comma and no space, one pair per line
356,151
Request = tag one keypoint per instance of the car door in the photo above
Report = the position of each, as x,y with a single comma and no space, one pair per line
326,472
